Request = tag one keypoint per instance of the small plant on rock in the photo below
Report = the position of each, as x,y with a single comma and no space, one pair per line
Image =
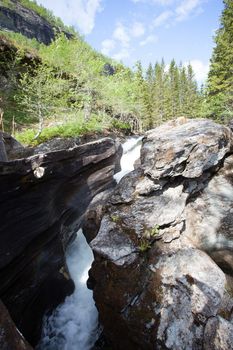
144,245
115,218
152,232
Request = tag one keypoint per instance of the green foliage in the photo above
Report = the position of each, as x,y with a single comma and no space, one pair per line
21,42
70,129
77,126
42,93
118,124
66,86
152,232
220,78
115,218
166,94
144,245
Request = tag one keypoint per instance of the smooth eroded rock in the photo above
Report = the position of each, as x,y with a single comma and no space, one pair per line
43,200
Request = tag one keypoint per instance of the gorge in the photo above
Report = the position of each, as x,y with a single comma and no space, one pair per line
162,240
74,325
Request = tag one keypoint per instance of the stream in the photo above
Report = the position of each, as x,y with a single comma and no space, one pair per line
74,324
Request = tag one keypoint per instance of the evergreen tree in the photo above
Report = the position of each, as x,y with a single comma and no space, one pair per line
149,96
220,78
159,92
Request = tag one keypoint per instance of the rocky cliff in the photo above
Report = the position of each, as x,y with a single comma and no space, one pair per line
19,19
43,199
163,270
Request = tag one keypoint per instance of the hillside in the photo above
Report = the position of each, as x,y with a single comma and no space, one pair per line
67,88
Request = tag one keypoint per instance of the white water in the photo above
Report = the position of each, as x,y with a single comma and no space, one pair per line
131,152
74,324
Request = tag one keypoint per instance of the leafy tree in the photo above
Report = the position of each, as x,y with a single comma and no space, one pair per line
42,94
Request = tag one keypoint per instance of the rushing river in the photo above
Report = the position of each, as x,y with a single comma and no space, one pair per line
74,324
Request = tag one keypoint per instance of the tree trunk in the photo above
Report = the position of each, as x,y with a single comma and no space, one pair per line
1,119
3,155
41,123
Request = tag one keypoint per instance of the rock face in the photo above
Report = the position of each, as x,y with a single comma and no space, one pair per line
10,337
163,270
43,200
17,18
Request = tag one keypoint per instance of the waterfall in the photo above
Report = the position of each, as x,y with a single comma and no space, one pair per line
74,324
131,152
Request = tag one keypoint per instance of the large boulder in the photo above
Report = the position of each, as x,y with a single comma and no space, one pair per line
163,255
43,201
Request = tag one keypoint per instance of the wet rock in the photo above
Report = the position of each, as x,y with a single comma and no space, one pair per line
163,253
10,337
43,200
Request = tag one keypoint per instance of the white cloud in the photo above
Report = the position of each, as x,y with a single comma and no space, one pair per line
158,2
164,2
137,29
79,13
162,18
186,8
120,34
123,53
149,40
107,46
200,69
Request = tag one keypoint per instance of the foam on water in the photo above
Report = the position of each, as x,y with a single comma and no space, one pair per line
74,324
131,152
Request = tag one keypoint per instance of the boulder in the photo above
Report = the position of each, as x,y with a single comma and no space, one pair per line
163,254
43,201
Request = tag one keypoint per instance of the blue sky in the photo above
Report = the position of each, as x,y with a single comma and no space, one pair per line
146,30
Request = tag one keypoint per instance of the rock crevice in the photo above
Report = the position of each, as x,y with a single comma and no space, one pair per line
43,201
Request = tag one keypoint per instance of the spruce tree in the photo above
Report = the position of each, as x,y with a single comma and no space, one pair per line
220,78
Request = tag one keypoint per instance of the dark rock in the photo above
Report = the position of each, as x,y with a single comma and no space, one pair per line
43,200
163,254
3,154
13,148
108,69
17,18
10,337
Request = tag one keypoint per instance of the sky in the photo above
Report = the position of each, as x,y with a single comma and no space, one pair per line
145,30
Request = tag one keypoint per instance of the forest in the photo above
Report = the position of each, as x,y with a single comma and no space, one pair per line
67,88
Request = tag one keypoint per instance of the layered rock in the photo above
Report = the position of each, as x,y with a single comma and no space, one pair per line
43,200
162,276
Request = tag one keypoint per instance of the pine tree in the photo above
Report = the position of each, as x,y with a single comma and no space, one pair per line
192,93
159,92
173,91
220,79
149,96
